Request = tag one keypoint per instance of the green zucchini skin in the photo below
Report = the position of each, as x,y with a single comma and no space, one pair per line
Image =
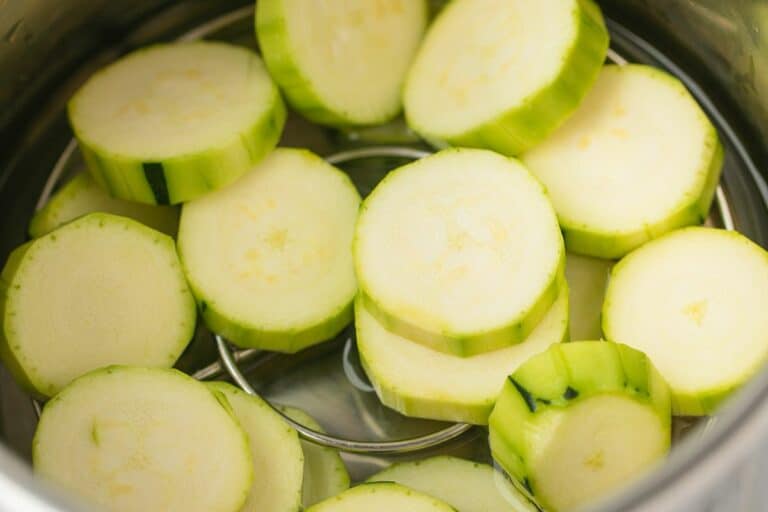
565,375
183,178
138,168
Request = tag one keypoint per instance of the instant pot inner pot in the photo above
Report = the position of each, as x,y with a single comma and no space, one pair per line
327,381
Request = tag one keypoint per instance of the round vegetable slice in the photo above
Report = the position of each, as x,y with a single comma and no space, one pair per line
638,159
467,486
694,300
581,420
381,497
269,258
418,381
502,74
172,122
100,290
459,251
339,62
276,455
128,439
325,474
82,195
587,278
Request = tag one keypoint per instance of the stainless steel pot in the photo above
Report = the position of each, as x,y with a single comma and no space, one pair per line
719,47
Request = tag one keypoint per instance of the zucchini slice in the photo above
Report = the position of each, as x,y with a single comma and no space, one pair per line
465,485
171,122
581,420
459,251
128,439
269,258
82,195
339,62
381,497
502,74
638,159
325,474
276,455
417,381
695,301
99,290
587,278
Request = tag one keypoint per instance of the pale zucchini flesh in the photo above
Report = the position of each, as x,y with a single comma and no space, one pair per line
171,122
459,251
381,497
127,439
502,74
694,300
276,455
465,485
82,195
269,258
639,158
418,381
338,62
100,290
581,420
325,474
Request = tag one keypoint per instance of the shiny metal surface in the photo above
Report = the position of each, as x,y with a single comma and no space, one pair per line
720,48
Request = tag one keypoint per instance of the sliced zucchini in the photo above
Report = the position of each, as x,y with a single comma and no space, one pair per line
695,301
502,74
172,122
581,420
325,474
82,195
276,455
381,497
127,439
418,381
638,159
269,258
340,62
465,485
459,251
587,278
100,290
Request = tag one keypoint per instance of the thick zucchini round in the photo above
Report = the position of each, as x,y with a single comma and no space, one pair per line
580,420
418,381
269,258
695,301
128,439
276,455
459,251
100,290
639,158
339,62
502,74
172,122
